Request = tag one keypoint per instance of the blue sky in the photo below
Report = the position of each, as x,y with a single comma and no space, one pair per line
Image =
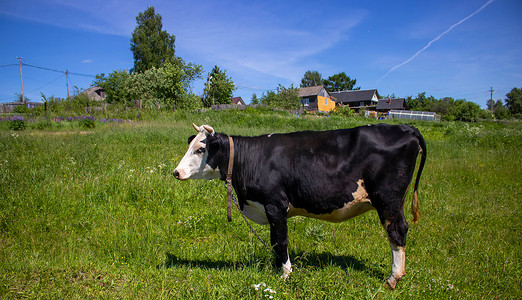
445,48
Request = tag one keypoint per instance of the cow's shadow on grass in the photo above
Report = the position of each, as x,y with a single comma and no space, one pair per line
303,260
347,263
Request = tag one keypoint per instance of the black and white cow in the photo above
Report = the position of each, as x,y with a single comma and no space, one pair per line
328,175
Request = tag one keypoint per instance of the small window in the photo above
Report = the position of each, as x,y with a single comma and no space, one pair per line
305,102
361,104
325,101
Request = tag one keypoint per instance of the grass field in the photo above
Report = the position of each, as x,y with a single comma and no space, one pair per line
98,214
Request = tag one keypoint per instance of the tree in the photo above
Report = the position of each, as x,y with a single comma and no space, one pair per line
514,102
491,104
269,98
254,99
219,88
168,86
311,78
500,111
466,111
442,106
286,98
419,103
151,46
340,82
113,85
21,98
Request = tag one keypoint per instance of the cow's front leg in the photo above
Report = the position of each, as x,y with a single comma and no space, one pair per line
277,218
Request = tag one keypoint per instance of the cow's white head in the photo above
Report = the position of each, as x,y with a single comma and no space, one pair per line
196,164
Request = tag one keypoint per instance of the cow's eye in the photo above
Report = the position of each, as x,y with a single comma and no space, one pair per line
200,150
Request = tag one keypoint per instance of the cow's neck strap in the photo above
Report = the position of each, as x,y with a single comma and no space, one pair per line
229,179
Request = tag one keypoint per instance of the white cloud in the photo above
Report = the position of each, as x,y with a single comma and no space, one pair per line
274,47
275,39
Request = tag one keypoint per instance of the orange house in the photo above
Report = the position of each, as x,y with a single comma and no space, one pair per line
316,98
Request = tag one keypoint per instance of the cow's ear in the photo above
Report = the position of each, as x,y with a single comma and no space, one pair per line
215,155
190,139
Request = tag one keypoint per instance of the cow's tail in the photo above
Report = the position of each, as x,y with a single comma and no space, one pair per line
415,201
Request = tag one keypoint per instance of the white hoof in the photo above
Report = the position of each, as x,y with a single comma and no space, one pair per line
287,269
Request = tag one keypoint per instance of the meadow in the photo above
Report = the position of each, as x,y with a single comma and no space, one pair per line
96,213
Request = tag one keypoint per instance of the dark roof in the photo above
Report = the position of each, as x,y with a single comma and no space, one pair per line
238,100
95,93
353,96
389,104
310,91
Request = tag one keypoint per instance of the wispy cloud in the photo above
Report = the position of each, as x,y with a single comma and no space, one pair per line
271,38
109,17
434,40
267,46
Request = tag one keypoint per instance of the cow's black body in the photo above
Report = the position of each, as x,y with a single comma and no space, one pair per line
319,172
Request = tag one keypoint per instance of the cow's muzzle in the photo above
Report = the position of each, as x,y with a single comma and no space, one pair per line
176,174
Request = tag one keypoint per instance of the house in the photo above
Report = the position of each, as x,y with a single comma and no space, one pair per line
316,98
357,98
385,105
237,101
95,93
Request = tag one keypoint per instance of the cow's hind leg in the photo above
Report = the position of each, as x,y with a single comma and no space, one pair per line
396,228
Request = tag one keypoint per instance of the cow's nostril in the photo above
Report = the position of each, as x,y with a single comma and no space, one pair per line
176,174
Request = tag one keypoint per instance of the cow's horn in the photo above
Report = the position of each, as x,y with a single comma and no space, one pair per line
209,129
195,127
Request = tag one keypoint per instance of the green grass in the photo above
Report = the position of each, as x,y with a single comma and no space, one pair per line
99,215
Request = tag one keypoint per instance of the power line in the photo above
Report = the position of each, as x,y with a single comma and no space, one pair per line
58,71
42,68
253,89
66,72
60,76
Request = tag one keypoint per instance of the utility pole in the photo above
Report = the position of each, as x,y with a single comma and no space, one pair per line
67,82
491,90
21,79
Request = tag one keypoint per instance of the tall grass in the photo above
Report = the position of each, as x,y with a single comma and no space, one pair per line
99,215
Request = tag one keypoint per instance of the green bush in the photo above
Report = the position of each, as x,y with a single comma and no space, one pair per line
467,112
343,110
17,123
21,109
42,124
87,122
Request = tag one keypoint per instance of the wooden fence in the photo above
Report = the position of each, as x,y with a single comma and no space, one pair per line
9,107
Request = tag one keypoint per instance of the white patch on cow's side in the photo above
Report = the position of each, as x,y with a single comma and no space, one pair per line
270,135
398,265
287,268
360,204
194,164
255,211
